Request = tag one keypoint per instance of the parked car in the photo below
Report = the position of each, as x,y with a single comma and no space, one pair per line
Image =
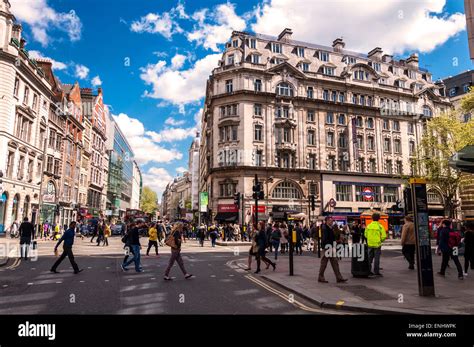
117,229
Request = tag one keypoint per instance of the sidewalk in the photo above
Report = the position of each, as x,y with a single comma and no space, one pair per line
396,292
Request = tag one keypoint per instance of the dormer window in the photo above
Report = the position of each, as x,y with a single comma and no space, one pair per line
361,75
324,56
276,47
349,60
230,59
253,43
375,66
255,59
412,74
284,89
327,70
305,67
465,88
400,83
235,43
452,91
300,52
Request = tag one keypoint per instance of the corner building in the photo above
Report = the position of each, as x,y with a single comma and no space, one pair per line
311,119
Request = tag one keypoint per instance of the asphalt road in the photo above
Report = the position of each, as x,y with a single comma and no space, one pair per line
220,286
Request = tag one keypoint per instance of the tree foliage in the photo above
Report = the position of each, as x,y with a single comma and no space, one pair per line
444,135
149,200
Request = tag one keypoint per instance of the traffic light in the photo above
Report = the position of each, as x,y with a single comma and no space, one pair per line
258,192
312,200
237,199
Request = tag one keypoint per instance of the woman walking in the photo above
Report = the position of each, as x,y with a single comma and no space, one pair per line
107,233
152,239
261,238
174,240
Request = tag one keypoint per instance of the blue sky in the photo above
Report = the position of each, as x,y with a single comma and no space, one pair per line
152,57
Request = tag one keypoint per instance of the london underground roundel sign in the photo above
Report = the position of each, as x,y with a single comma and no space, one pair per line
368,193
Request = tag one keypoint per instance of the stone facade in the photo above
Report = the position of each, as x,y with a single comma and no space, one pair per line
308,118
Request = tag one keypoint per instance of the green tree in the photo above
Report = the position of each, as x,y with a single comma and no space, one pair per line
149,200
443,136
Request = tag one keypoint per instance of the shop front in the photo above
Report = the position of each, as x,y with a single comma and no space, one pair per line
227,213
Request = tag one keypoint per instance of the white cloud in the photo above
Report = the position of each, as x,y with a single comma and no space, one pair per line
144,146
164,24
96,81
197,119
176,86
81,71
172,134
224,19
181,169
401,25
57,65
173,122
42,18
177,61
157,179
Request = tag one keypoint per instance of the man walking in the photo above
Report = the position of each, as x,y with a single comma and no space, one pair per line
26,234
133,240
408,241
375,234
329,253
68,238
449,244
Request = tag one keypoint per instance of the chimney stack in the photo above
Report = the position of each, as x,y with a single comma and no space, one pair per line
376,53
338,44
285,35
413,60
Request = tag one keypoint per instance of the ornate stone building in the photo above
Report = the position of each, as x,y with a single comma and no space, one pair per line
311,119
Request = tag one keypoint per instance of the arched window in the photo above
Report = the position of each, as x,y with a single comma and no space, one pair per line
16,202
427,112
286,190
284,89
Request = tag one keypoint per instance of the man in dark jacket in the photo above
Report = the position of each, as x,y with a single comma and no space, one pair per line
447,250
356,233
133,241
68,239
299,239
26,234
328,244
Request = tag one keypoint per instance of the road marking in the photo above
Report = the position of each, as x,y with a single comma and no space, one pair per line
30,284
231,275
284,296
59,282
106,280
153,278
5,285
107,267
82,281
15,264
130,279
213,275
89,267
33,268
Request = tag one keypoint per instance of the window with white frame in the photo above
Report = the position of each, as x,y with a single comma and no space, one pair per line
324,56
286,190
427,112
282,112
343,192
310,116
305,67
229,86
235,43
411,128
230,59
255,59
372,166
386,124
331,163
399,167
397,146
258,85
227,189
276,47
388,167
359,122
258,133
284,89
361,75
253,43
329,118
330,139
386,144
310,93
390,194
258,158
300,52
312,162
396,125
360,142
330,71
257,109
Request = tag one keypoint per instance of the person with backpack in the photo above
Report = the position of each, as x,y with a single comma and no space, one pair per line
174,240
449,241
469,247
133,241
408,242
375,234
275,238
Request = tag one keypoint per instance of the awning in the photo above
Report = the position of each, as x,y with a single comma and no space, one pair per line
227,216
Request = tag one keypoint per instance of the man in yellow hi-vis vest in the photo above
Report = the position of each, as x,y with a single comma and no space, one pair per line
375,234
